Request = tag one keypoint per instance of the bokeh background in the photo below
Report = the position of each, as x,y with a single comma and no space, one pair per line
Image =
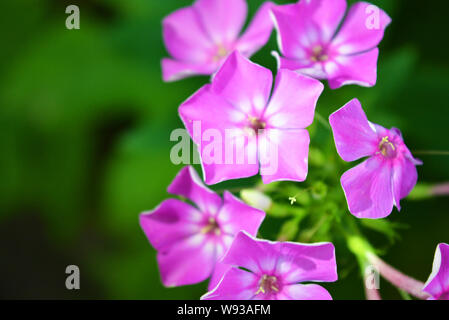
85,121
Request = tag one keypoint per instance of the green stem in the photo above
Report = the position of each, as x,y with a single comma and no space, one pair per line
361,248
309,235
404,295
323,121
431,152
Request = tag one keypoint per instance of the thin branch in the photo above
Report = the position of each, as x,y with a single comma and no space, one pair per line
431,152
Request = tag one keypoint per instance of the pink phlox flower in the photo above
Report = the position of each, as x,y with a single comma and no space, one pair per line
265,270
190,239
387,176
311,41
250,130
201,36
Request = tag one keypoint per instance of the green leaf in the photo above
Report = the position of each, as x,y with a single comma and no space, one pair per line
386,227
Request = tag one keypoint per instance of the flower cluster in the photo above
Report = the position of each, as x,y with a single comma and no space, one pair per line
265,129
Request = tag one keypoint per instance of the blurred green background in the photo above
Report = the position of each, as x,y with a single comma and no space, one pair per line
85,121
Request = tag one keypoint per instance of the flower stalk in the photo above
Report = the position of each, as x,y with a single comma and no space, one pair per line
397,278
425,191
440,189
372,294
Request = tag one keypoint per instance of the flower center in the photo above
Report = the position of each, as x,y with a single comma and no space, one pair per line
268,284
387,148
255,124
319,54
212,227
221,53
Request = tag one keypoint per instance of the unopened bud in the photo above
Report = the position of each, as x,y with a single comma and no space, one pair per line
256,199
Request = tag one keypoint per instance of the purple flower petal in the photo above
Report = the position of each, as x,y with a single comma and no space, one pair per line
236,215
368,189
244,84
188,184
236,284
294,31
248,167
258,31
363,28
307,262
304,292
284,154
353,135
198,109
218,273
360,69
404,178
258,256
185,38
222,20
438,283
171,222
327,14
192,260
294,99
